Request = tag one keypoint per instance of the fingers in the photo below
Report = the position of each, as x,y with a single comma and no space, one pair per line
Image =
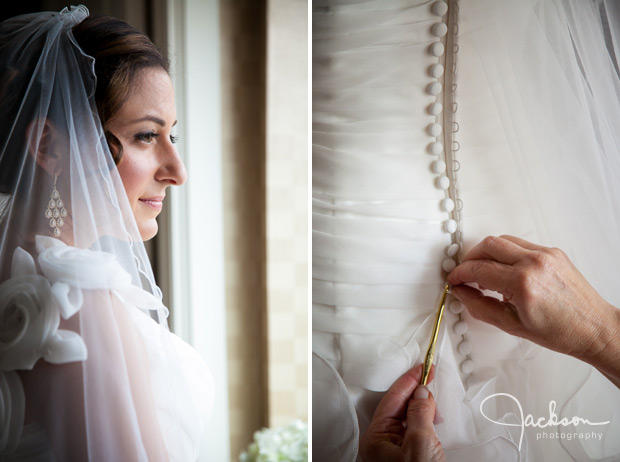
498,249
393,404
521,242
383,440
488,309
486,273
490,263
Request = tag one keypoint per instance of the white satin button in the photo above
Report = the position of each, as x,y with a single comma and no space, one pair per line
456,307
467,366
443,182
448,265
439,166
435,109
437,49
447,205
434,88
436,148
465,347
452,250
451,226
436,70
439,29
460,328
435,129
440,8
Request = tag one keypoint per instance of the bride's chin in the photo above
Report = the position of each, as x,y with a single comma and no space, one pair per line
148,229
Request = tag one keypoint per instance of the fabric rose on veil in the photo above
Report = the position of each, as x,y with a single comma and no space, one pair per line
29,320
79,268
71,269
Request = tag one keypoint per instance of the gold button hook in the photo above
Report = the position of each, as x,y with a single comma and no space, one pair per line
430,352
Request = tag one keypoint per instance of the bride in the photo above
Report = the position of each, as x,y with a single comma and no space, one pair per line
436,124
88,367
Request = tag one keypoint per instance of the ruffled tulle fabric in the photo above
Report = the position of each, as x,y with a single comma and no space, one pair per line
537,96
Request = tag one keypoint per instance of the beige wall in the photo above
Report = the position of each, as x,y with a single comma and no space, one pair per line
264,123
287,211
243,162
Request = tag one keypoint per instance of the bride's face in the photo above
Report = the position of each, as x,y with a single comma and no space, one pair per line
150,162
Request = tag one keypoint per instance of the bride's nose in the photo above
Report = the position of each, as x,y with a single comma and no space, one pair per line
171,169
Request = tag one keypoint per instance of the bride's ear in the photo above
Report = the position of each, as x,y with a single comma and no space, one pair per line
42,138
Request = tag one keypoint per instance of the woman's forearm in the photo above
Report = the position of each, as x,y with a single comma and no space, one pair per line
605,351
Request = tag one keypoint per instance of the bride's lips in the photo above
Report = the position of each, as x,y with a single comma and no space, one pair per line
153,202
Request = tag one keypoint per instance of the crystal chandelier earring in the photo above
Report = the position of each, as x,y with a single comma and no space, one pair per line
56,211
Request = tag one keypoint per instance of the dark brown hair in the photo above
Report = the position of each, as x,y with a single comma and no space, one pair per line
120,52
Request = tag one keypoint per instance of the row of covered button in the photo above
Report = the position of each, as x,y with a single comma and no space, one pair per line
443,181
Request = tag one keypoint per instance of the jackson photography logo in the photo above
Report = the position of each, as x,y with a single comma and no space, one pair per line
551,421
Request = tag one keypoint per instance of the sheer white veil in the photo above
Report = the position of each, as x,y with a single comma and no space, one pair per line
81,316
556,84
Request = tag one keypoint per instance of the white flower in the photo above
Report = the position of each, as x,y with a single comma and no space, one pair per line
80,268
12,404
29,320
70,270
285,444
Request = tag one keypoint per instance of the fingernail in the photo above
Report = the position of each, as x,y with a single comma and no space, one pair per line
420,393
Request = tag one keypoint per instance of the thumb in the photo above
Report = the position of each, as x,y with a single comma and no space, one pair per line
421,411
420,442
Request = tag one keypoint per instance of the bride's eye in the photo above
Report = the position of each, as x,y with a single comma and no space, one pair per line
174,139
146,137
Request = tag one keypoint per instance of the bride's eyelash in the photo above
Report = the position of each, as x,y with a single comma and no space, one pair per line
146,137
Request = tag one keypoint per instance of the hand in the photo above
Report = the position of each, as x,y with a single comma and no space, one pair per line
402,428
545,298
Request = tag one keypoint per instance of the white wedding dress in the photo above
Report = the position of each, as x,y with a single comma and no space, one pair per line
538,156
181,392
